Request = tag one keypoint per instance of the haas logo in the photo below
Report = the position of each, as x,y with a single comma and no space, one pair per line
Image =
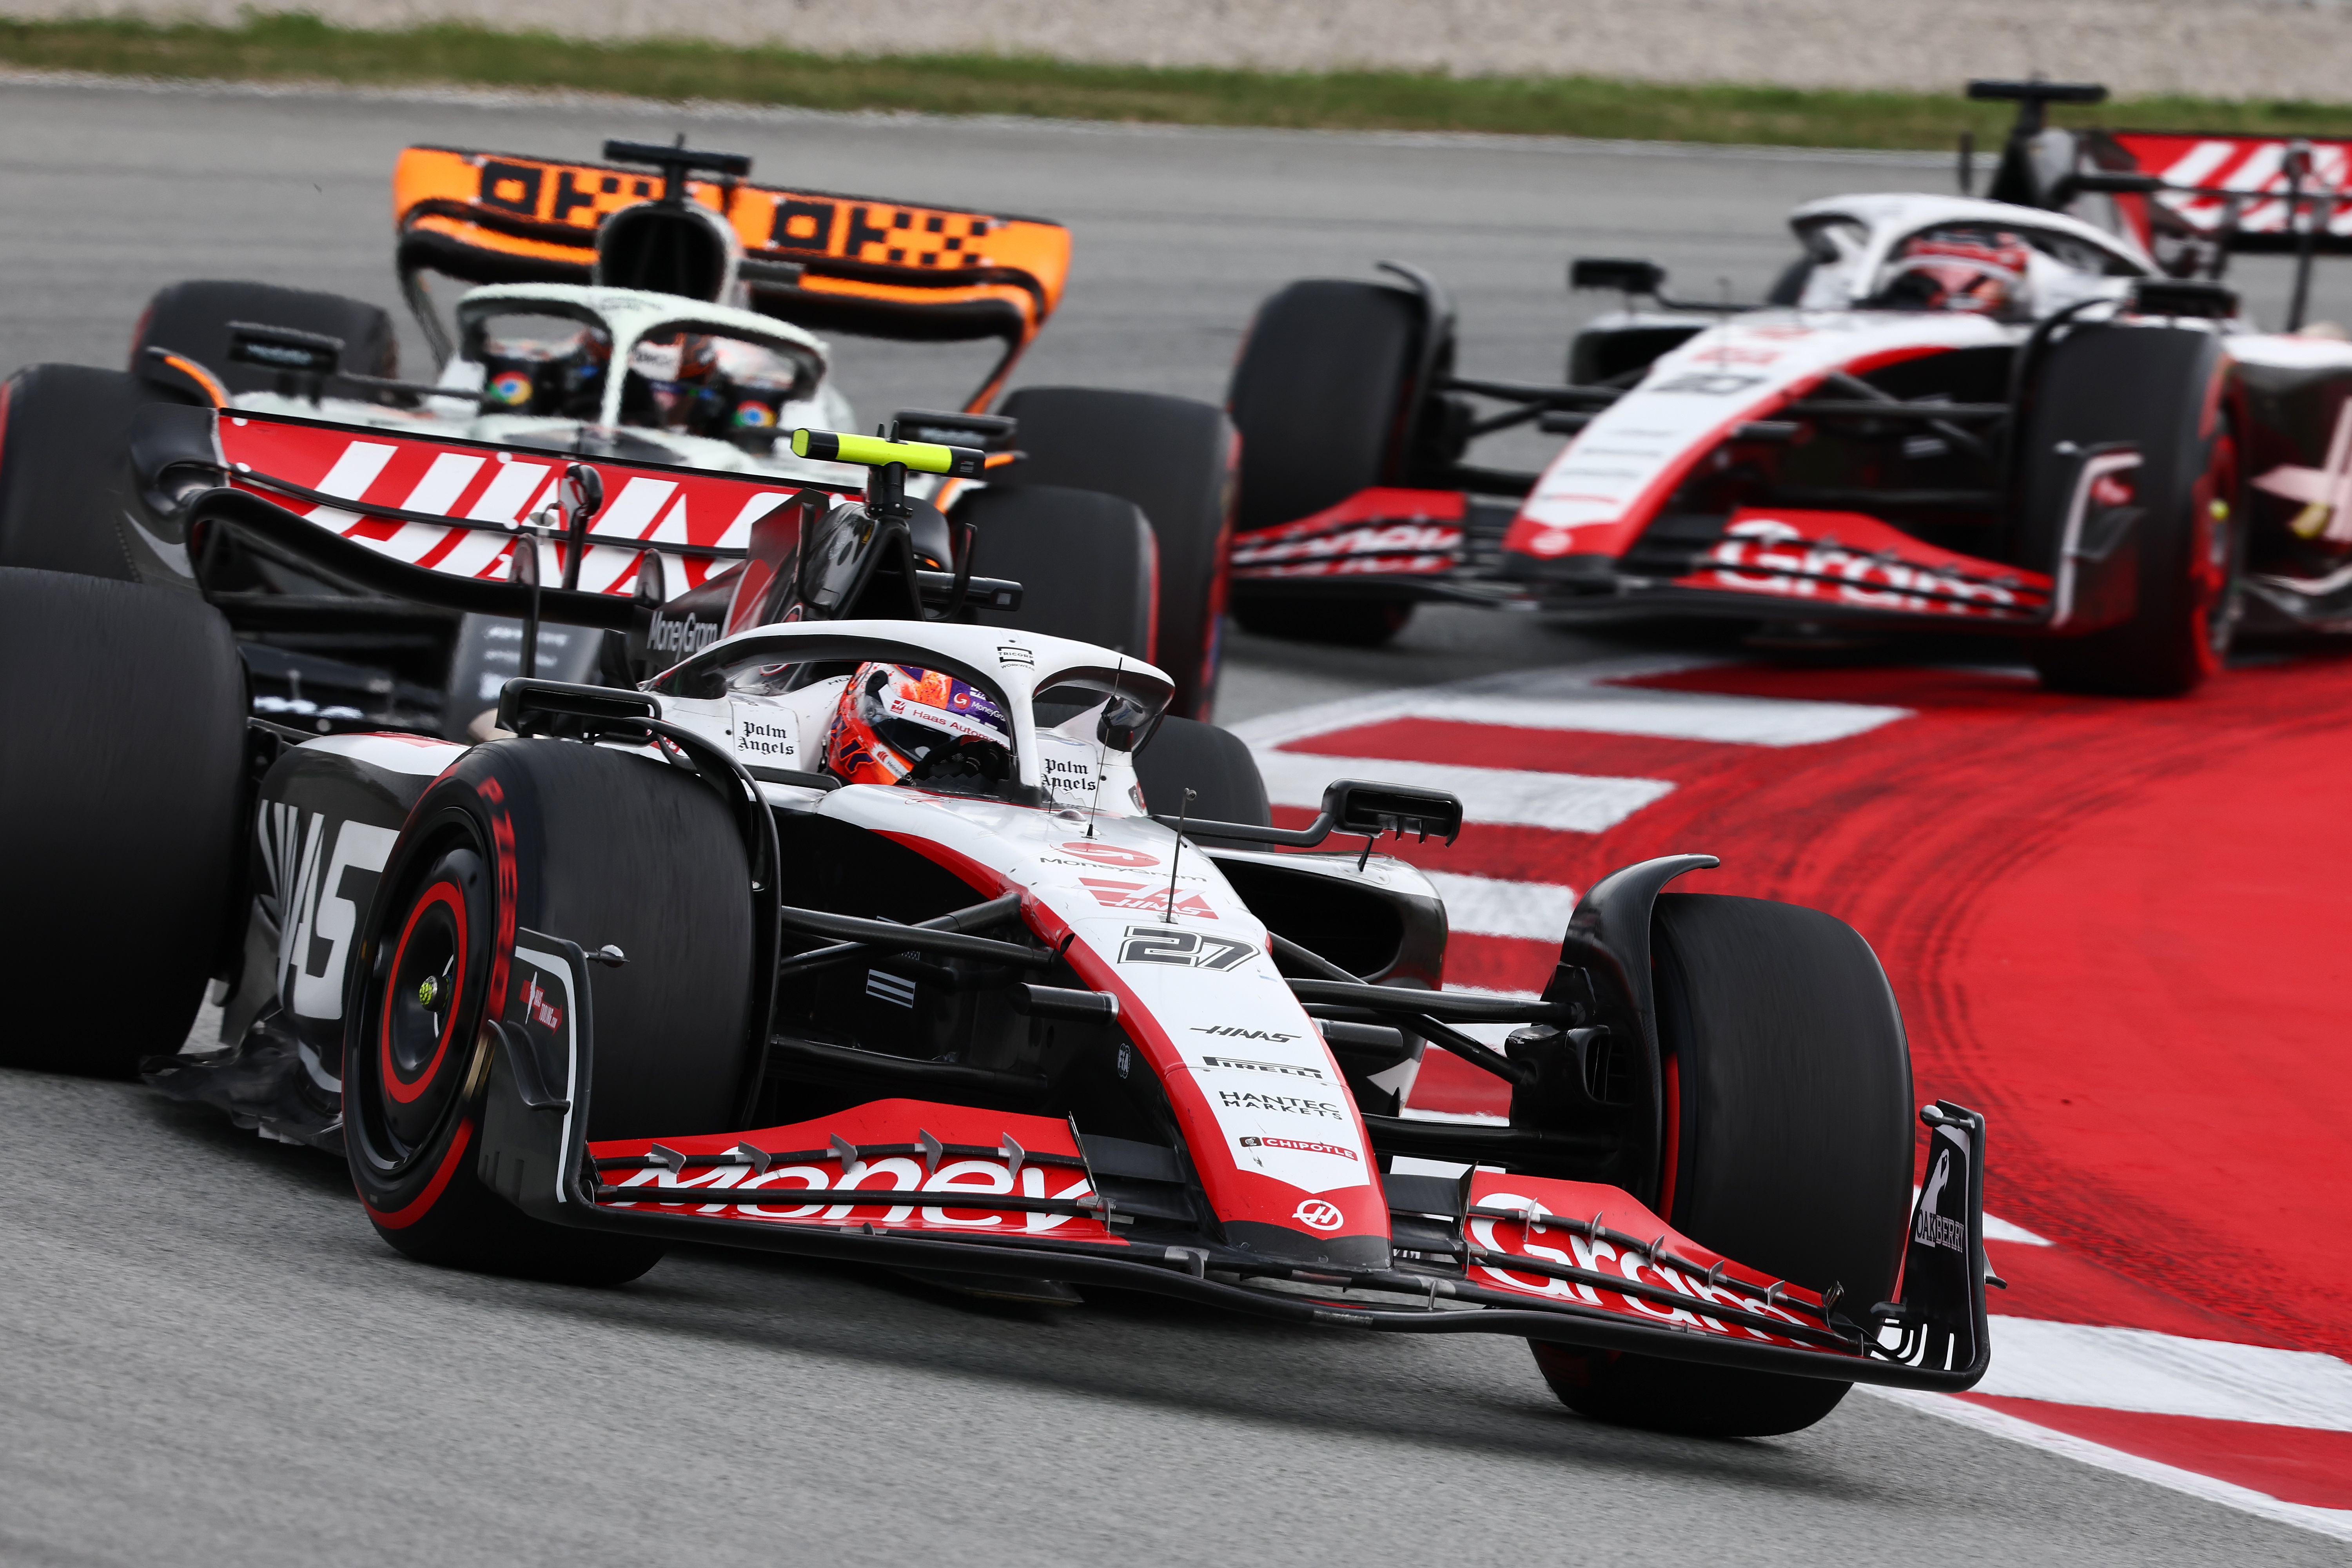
1320,1214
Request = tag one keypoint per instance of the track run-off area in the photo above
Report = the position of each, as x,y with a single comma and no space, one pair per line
2112,926
2115,928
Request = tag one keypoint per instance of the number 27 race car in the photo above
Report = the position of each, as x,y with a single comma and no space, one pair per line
871,933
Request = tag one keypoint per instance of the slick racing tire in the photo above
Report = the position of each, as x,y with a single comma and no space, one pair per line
2162,388
1320,397
1173,457
1215,764
569,840
65,436
122,789
193,319
1084,561
1789,1145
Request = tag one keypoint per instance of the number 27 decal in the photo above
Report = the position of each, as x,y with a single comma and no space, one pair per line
1166,944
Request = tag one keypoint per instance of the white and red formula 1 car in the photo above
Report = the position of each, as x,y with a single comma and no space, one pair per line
655,319
2040,413
860,937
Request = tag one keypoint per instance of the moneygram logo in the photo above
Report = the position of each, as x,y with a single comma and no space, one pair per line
1103,854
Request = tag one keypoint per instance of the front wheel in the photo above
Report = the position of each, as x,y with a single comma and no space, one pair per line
1085,561
1322,396
1177,461
577,842
199,320
2162,389
1788,1145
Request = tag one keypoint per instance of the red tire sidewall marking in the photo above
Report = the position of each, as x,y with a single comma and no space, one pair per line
1673,1151
420,1206
508,882
394,1084
2208,582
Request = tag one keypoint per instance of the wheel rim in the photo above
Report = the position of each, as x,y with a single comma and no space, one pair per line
421,1012
2217,531
422,1003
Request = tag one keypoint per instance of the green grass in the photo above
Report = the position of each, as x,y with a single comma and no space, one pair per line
303,49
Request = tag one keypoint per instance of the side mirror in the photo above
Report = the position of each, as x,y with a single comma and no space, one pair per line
1350,807
1378,809
1125,723
2195,297
1627,275
989,432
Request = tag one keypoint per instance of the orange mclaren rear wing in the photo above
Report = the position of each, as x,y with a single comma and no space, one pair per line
831,262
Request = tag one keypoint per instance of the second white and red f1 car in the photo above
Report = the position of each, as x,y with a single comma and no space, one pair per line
2038,413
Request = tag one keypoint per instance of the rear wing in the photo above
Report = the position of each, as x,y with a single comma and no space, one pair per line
2247,193
2190,198
823,260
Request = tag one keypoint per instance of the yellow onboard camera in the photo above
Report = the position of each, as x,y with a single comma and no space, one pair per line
873,452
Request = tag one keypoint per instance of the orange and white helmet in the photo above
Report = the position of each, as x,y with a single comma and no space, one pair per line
1960,270
896,723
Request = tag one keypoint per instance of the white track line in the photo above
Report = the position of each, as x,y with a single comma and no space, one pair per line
1488,906
1567,802
2337,1523
1577,699
2167,1374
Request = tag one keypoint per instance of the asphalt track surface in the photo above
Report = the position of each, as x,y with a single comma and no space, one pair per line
208,1357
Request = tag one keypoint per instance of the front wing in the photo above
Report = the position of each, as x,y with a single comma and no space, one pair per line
949,1189
1760,563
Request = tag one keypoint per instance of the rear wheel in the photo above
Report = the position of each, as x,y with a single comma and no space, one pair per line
120,786
1321,397
1788,1147
575,841
1084,560
1174,459
194,319
2162,389
65,435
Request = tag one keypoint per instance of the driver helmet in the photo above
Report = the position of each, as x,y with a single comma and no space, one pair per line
1946,270
682,372
897,725
531,374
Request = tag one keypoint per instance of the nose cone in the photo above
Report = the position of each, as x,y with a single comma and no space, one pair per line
1306,1247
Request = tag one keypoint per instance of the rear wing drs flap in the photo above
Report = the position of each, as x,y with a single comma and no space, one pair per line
2249,193
823,260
